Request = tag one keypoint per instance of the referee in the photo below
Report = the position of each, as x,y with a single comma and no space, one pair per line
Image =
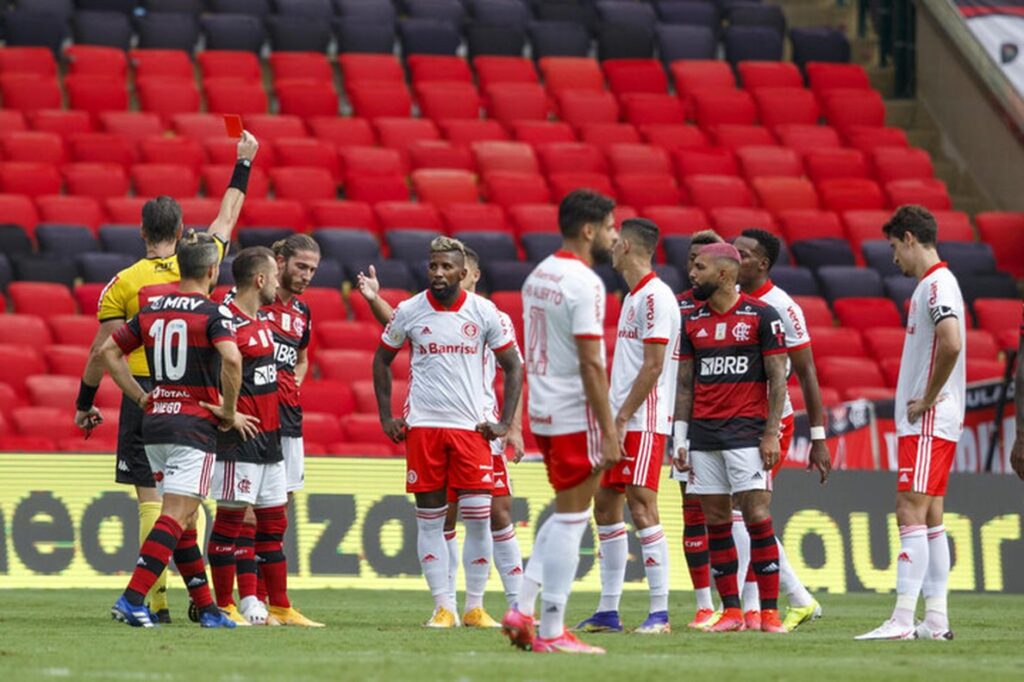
130,290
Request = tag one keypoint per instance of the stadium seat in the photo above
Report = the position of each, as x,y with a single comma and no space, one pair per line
198,126
507,275
606,134
733,136
980,344
638,158
216,178
964,258
333,397
624,41
844,108
69,210
563,183
850,194
785,193
558,39
371,99
730,221
27,328
64,122
823,251
582,107
822,76
68,360
96,94
29,178
846,373
491,246
539,245
770,162
153,179
65,240
819,44
377,189
756,75
647,189
641,108
804,139
752,43
440,101
308,152
508,188
459,217
348,335
362,162
833,342
571,73
365,429
321,428
509,103
997,315
28,93
802,224
236,64
845,281
796,280
132,125
1006,230
410,246
97,60
228,31
836,163
443,187
288,213
29,363
303,183
35,146
28,60
996,285
311,65
693,75
567,157
816,310
406,215
869,138
893,163
124,238
343,132
345,214
439,154
363,37
635,75
229,96
954,226
867,312
677,220
345,365
491,70
708,161
985,370
465,132
534,218
718,106
428,36
428,68
884,342
714,191
306,99
102,148
928,192
786,106
325,304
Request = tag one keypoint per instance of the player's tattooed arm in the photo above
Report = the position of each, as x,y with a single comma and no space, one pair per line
113,361
393,428
803,366
1017,454
369,287
512,368
775,368
684,410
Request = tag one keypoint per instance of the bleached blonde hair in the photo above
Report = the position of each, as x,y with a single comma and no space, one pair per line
442,244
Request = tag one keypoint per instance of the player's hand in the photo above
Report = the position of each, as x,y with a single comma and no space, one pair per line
681,460
394,428
918,406
368,285
247,146
491,430
770,450
246,425
820,459
620,428
1017,455
87,421
515,440
611,450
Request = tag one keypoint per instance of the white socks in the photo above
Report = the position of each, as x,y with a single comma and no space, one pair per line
533,576
655,555
911,565
433,554
475,513
789,584
749,596
561,557
613,553
509,561
935,580
452,542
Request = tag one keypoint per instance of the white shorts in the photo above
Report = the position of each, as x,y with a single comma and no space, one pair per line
294,463
261,485
181,470
723,472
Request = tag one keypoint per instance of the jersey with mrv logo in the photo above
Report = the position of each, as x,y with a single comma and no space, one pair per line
730,385
179,333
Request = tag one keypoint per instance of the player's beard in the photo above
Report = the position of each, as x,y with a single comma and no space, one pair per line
447,293
600,255
289,285
703,292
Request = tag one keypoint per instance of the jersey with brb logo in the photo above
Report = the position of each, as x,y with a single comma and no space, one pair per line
258,395
291,323
797,335
179,333
936,298
448,346
730,384
563,300
648,316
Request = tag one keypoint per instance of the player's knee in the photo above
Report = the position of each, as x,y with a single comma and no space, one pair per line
250,516
755,506
607,507
501,517
643,507
911,509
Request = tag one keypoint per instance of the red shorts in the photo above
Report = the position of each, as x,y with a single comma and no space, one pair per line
641,466
570,457
785,440
502,485
437,458
924,464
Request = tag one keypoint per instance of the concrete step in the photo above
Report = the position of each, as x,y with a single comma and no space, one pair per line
901,113
883,79
929,140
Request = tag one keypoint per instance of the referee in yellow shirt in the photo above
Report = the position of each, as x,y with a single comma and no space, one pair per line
132,289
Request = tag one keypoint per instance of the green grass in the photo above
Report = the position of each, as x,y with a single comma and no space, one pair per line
375,635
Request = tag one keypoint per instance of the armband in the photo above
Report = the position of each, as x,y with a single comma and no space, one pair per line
86,396
817,433
680,430
240,176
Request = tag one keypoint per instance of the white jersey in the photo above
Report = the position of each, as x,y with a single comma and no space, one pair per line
650,314
448,348
797,335
491,407
936,298
563,300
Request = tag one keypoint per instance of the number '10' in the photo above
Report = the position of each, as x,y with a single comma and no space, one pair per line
165,363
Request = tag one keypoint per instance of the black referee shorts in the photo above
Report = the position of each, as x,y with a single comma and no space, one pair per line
132,463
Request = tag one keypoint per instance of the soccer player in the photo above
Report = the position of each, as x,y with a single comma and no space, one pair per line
1017,453
643,394
250,473
759,250
507,556
189,343
129,291
570,413
730,395
695,529
448,330
930,403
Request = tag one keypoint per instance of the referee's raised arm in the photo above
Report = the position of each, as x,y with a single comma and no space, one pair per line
231,205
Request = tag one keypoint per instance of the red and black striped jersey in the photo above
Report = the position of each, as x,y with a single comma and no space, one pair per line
258,396
730,384
291,324
687,303
179,332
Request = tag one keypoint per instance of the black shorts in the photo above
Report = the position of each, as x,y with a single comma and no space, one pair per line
132,463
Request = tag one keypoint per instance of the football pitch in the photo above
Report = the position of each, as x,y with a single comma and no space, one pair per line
375,635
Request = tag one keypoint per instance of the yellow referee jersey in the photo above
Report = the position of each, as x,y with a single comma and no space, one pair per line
137,286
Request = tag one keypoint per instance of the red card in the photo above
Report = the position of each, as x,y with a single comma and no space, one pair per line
233,124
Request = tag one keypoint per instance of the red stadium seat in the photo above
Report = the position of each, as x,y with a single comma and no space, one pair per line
757,75
862,312
29,178
607,134
309,152
885,342
677,220
816,311
429,68
364,162
32,61
9,399
333,397
35,146
199,211
571,73
639,158
361,309
800,224
366,400
824,76
69,210
198,126
168,96
864,225
928,192
97,60
694,75
714,191
869,138
274,213
782,194
44,422
893,163
371,99
216,178
399,133
312,66
351,214
647,189
30,93
172,149
66,360
160,63
985,370
491,70
348,335
734,136
567,157
517,157
786,106
371,67
980,344
444,187
125,210
998,315
343,132
102,148
463,217
769,161
844,373
564,183
365,429
542,132
303,183
1005,231
63,122
320,427
844,108
393,215
345,365
511,102
534,218
465,132
635,75
440,154
850,194
306,99
441,101
273,127
834,342
153,179
237,64
29,362
229,96
715,107
96,94
674,137
18,209
954,226
832,164
710,161
376,189
807,138
730,221
325,304
508,188
27,326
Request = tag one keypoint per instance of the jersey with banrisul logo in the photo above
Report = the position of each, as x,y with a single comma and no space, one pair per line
448,346
258,395
730,384
179,333
797,334
291,323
